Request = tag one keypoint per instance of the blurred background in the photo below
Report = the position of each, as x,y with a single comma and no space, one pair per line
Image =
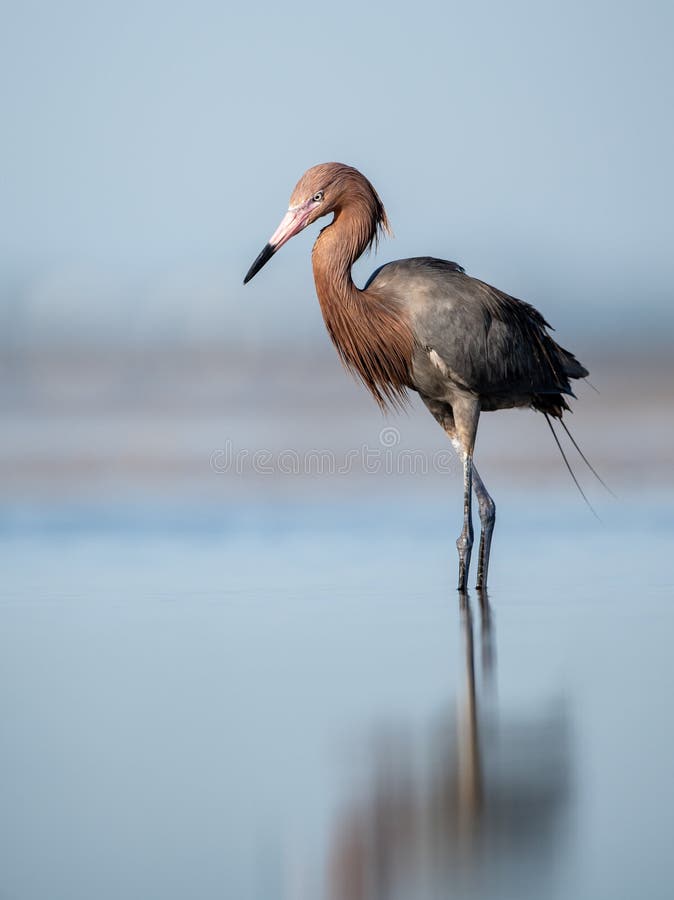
148,152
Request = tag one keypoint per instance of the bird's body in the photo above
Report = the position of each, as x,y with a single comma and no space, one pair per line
422,324
472,338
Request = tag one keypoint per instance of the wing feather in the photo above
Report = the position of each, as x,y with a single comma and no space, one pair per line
491,342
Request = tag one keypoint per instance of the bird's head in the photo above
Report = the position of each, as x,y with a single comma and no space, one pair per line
323,189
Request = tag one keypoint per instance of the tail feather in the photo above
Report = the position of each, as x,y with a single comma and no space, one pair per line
552,404
568,466
586,460
571,366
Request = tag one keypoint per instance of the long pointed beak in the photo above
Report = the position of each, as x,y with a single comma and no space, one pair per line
292,223
267,252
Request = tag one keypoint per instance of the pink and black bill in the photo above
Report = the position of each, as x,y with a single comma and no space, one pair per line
267,252
293,222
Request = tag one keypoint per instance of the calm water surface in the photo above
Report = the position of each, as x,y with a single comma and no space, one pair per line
293,702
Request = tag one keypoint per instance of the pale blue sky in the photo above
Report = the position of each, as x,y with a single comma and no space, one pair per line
149,149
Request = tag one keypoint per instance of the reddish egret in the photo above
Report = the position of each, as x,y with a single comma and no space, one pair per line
423,324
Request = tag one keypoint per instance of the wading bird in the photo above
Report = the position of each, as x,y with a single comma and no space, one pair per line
423,324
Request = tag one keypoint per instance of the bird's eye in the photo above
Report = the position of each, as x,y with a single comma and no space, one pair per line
317,197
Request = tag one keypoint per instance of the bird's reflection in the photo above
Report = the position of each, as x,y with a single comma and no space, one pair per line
483,794
470,794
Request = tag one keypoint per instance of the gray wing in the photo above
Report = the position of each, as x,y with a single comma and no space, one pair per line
492,343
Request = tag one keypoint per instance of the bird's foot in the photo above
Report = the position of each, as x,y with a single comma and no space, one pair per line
463,578
464,545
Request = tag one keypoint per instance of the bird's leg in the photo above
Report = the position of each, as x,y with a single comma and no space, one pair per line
464,542
459,422
466,415
487,509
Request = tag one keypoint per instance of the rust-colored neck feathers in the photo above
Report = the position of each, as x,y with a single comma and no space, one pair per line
370,331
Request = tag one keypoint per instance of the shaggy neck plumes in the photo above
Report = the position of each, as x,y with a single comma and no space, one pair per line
370,332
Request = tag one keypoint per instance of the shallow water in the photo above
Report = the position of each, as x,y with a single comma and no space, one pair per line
292,702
